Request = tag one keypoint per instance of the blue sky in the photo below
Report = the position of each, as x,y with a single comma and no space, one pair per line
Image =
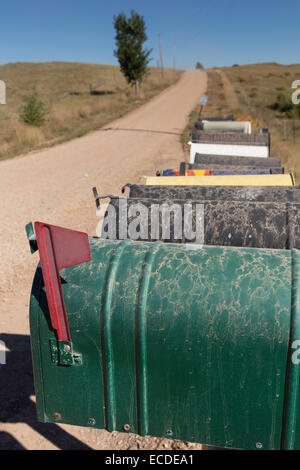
214,32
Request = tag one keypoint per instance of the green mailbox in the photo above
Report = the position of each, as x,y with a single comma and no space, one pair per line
177,341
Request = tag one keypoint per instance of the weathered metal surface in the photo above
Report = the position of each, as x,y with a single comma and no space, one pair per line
225,223
176,341
234,138
228,193
227,160
218,172
233,180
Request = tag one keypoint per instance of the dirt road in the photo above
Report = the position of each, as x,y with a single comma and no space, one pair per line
231,98
54,186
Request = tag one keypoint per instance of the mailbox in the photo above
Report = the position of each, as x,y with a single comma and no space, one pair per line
177,341
234,138
217,172
226,193
227,161
233,180
224,126
228,117
228,223
184,167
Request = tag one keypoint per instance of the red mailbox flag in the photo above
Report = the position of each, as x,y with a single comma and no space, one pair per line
59,248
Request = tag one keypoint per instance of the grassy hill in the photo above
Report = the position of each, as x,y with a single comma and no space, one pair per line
250,92
78,98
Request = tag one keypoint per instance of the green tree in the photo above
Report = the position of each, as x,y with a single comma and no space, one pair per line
130,37
285,105
33,111
199,65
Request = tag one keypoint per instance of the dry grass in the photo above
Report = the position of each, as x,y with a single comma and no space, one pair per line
216,105
257,87
78,99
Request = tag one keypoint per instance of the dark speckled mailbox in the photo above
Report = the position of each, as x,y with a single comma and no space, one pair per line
225,193
255,162
226,223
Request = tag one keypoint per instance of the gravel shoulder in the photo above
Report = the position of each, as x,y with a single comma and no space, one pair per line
55,186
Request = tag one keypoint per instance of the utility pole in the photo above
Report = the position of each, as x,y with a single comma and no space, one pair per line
161,57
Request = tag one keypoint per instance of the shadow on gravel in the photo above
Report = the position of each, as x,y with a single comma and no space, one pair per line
138,130
15,403
8,442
